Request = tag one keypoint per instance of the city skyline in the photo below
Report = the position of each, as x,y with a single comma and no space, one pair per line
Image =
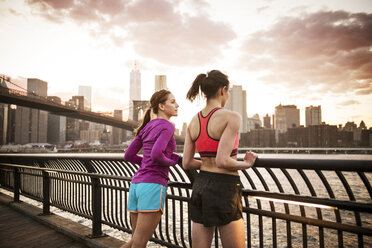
308,53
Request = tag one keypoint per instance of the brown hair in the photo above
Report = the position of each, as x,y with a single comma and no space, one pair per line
208,83
158,97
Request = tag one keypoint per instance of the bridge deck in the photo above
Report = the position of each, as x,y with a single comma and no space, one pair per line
17,230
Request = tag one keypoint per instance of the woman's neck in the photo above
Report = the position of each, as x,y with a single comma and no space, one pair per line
161,115
213,103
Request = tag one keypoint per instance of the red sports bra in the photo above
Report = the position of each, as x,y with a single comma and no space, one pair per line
205,144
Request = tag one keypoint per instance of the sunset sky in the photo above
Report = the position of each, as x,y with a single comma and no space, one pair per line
305,52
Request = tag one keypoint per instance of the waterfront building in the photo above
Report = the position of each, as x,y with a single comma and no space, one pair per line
323,135
56,125
134,89
184,129
31,125
258,138
253,122
4,111
11,125
286,116
89,136
313,115
238,102
118,134
86,91
350,126
267,121
160,82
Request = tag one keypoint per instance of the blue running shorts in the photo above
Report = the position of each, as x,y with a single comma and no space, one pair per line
146,197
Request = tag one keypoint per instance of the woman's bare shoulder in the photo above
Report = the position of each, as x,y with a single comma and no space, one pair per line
229,115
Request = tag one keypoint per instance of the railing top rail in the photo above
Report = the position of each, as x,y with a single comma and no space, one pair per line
341,163
81,173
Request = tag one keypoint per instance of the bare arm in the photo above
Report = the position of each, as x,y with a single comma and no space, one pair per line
226,145
188,161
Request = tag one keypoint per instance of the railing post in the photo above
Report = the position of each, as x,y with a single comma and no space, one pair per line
17,184
96,207
96,202
46,193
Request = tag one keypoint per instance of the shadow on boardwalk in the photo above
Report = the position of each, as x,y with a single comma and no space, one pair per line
17,230
21,225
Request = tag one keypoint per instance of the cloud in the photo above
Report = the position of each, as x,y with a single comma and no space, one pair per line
154,28
331,49
261,9
349,102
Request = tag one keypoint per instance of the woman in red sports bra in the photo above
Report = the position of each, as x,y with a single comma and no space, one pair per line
216,199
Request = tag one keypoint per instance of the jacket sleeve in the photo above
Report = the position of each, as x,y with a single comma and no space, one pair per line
157,153
131,153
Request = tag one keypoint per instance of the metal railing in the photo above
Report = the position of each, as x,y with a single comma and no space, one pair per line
286,202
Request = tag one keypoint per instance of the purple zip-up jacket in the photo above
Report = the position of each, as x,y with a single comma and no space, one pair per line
158,143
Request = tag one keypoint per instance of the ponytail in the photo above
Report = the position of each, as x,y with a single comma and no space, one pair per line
208,84
195,87
146,119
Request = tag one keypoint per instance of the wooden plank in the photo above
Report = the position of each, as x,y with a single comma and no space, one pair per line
17,230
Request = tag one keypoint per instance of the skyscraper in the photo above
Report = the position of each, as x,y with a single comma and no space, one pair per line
267,121
160,82
134,88
87,92
32,124
313,115
238,102
72,124
4,112
118,134
286,116
56,125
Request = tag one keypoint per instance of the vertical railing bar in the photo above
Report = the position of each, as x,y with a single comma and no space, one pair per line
352,198
318,211
119,216
294,187
337,212
109,191
248,215
366,182
266,187
174,218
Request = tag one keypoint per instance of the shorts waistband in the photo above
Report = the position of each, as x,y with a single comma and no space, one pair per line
221,177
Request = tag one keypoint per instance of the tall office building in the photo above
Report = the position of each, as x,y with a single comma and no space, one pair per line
118,134
72,124
313,115
4,108
4,112
134,89
56,125
160,82
31,125
238,102
286,116
267,121
86,91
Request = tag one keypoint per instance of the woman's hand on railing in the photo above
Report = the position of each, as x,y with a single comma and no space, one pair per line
250,158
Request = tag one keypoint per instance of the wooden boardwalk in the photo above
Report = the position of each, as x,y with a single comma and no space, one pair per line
17,230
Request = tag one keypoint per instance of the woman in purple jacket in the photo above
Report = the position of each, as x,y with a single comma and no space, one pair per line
148,188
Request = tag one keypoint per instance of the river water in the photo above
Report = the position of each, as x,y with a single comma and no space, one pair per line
331,236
